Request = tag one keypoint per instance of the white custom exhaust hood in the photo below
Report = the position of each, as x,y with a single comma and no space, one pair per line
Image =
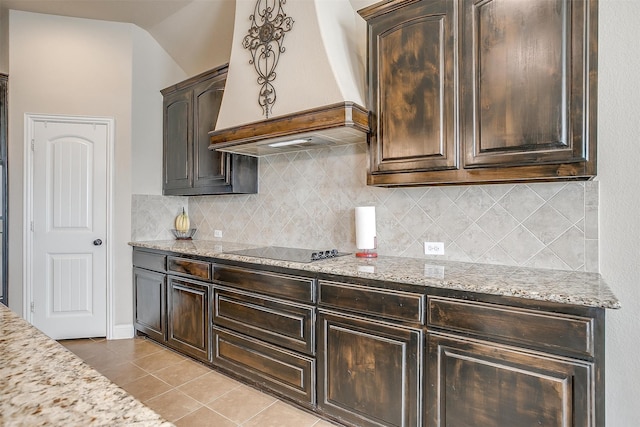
316,97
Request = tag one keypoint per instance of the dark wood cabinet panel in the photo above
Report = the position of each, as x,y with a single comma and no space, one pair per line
378,353
501,91
178,141
150,303
554,332
480,384
523,76
264,329
209,167
287,373
411,90
189,268
386,304
291,287
369,371
188,317
149,260
275,321
4,228
191,110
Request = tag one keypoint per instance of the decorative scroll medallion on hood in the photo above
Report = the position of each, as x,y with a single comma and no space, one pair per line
269,23
320,79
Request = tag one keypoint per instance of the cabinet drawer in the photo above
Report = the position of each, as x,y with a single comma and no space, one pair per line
388,304
279,285
549,331
149,260
284,372
189,268
277,322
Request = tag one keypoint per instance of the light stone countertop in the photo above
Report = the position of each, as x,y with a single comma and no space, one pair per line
44,384
560,286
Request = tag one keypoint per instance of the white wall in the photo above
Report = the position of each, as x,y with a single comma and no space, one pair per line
73,66
618,157
70,66
153,69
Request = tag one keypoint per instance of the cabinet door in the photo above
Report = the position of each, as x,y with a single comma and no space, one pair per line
524,76
369,372
411,84
471,383
211,168
188,317
149,303
4,226
178,141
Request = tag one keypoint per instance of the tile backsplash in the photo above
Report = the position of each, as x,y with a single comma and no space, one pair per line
307,199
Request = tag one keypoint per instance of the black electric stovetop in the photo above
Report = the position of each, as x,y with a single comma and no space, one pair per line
289,254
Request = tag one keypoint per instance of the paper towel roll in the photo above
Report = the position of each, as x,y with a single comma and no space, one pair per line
366,227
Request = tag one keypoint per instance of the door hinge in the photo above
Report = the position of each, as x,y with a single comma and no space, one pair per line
31,225
33,307
33,144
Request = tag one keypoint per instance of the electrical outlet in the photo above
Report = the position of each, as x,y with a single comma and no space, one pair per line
434,248
217,233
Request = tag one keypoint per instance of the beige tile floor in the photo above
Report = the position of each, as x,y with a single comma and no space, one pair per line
183,391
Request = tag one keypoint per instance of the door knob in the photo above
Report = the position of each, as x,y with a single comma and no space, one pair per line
97,242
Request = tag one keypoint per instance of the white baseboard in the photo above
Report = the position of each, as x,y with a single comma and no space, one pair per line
120,332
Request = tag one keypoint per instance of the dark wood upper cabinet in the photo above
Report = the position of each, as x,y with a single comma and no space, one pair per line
411,89
207,97
178,142
481,91
523,75
191,110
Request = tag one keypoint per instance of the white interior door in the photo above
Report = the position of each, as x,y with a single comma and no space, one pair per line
69,229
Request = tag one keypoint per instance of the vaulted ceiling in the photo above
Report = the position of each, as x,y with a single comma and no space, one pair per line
196,33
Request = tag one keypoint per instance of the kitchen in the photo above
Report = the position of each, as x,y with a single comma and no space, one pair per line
139,139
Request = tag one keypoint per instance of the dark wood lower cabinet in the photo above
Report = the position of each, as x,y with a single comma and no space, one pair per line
369,372
367,353
474,383
264,330
188,317
149,303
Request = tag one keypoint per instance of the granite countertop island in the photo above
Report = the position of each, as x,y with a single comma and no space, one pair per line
44,384
560,286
